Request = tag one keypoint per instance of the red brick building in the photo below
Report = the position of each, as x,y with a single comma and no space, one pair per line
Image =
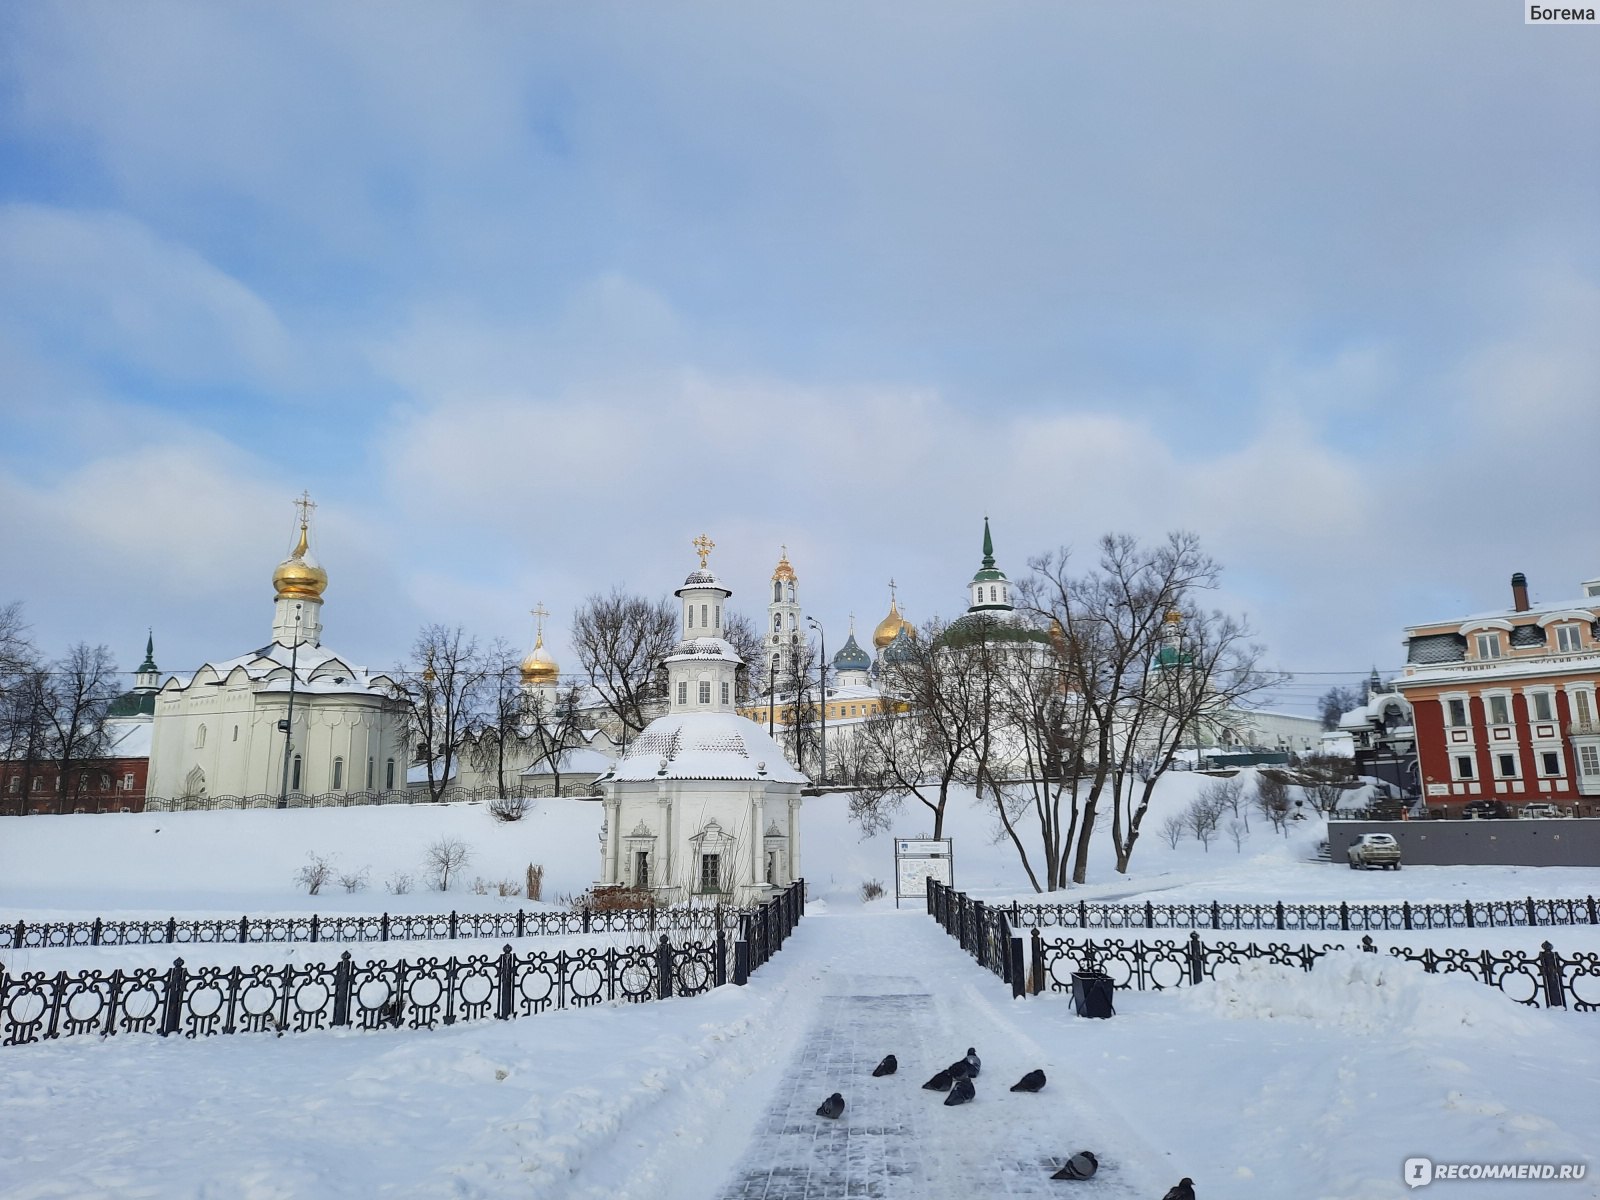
114,783
1505,703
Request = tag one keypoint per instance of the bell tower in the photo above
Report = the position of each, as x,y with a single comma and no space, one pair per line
783,621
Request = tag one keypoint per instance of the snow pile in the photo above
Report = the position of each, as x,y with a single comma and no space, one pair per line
1365,993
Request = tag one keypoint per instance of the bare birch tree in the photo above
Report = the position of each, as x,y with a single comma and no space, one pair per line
75,695
442,689
621,641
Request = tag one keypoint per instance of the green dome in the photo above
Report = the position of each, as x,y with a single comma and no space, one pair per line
852,657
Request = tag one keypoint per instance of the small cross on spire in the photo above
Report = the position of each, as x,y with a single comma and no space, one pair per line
305,504
539,612
703,546
893,599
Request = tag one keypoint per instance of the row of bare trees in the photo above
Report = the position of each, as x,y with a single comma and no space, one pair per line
52,713
1064,732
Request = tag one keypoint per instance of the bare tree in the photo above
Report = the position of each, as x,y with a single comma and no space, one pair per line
495,727
443,691
743,635
446,857
1200,819
1173,829
1228,794
1236,830
800,710
1147,663
621,641
1337,701
553,728
74,698
1326,779
1272,798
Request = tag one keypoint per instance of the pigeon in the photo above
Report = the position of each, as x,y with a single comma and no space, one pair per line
960,1069
1183,1191
1033,1081
974,1063
391,1011
961,1092
887,1067
832,1107
1081,1165
940,1082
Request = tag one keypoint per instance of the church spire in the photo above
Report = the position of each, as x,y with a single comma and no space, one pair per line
988,546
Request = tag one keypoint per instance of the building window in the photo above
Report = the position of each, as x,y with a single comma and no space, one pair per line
718,624
200,737
1582,708
127,782
1550,763
1488,645
16,784
338,774
1589,759
711,872
1507,764
388,775
777,592
1499,710
1458,712
1543,710
683,693
1464,766
724,693
705,691
370,765
1569,638
689,608
641,868
704,609
294,778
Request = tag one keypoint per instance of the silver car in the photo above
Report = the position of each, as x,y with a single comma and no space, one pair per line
1374,850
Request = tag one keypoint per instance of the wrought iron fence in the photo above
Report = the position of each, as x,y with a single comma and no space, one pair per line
353,799
987,932
408,993
369,927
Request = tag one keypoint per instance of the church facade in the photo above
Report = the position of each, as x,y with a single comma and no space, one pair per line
222,731
703,805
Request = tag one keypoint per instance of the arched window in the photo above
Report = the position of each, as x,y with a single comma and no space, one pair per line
993,592
791,593
236,733
777,622
370,765
689,608
338,774
294,777
777,591
792,620
388,775
200,737
705,610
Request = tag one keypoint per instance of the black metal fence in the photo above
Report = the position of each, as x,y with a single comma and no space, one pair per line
407,993
1344,918
369,927
987,932
576,787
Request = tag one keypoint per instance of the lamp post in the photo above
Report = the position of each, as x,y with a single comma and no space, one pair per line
822,680
287,724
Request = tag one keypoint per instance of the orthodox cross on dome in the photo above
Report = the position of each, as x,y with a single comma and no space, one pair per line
539,612
892,598
703,546
304,504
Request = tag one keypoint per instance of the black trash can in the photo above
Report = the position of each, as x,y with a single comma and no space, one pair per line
1092,994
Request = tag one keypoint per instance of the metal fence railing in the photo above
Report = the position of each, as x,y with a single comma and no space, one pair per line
1544,977
406,993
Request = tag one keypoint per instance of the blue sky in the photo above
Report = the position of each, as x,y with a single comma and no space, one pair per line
529,295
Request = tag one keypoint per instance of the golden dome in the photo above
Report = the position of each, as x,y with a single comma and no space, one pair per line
299,575
783,570
539,669
890,626
1173,616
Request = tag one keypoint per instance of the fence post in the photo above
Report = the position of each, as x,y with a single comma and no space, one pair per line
522,921
1038,961
507,970
1019,981
1532,919
741,962
316,927
663,968
1471,924
21,932
1149,915
1197,959
1344,916
1594,914
1083,915
1280,914
173,1008
721,966
172,930
1216,915
586,912
244,929
1405,913
981,950
452,924
341,990
383,928
94,932
1555,995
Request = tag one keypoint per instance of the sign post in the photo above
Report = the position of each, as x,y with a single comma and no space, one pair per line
916,860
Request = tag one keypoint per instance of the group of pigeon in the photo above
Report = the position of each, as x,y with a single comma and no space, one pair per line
957,1078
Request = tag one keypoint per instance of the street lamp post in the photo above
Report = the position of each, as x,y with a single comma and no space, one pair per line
822,680
287,724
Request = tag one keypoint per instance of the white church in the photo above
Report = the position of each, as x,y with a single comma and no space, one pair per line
290,718
703,804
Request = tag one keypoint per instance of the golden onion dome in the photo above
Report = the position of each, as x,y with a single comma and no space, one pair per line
299,576
784,570
890,626
539,669
1173,616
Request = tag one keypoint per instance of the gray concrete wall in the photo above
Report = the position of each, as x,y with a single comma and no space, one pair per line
1574,842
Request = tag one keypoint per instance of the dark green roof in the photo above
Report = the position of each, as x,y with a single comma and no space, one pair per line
852,657
988,573
979,625
132,704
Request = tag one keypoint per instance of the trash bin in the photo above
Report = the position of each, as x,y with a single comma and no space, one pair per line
1092,994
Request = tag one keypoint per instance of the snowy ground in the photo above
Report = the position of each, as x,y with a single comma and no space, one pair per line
1269,1083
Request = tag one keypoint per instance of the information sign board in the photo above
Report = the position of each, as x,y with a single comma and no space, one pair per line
916,860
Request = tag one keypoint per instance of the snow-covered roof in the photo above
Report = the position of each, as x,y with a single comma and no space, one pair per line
704,745
128,737
317,670
1582,604
702,579
418,772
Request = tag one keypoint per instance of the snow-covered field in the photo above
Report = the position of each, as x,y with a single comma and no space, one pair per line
1269,1083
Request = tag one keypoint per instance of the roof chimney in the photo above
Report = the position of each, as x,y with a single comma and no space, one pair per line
1519,592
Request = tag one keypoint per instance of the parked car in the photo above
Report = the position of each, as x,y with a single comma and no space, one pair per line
1540,810
1485,810
1374,850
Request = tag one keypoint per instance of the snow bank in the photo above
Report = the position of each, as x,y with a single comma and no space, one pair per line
1365,993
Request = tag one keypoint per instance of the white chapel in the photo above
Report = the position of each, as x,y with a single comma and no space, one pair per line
292,717
703,804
